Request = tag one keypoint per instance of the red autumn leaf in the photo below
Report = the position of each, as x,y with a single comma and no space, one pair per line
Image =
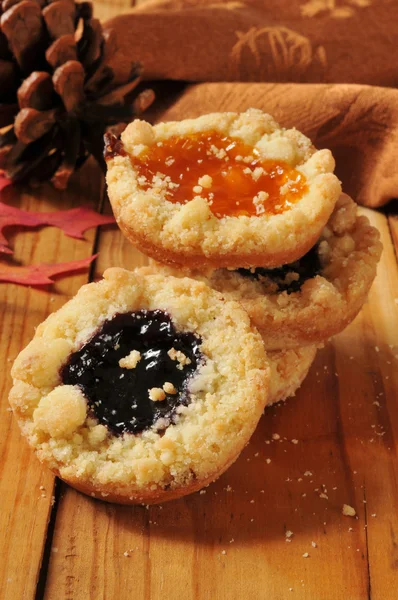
42,273
73,222
4,181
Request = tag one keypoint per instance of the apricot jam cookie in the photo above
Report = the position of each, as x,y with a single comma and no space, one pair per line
141,388
222,190
289,368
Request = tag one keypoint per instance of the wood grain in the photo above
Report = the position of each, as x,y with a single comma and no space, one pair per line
230,543
26,489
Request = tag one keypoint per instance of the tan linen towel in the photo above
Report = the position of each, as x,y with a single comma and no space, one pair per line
315,41
284,40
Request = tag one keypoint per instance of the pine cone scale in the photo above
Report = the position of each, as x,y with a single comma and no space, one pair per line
60,18
22,25
37,91
62,50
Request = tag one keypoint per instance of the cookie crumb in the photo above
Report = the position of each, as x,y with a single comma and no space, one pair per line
205,181
348,511
169,388
267,460
131,360
306,555
313,544
289,533
276,436
256,174
156,394
179,357
295,441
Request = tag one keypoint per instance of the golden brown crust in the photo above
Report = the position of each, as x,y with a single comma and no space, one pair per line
190,234
229,392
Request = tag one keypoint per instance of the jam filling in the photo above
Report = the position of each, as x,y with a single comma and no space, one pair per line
289,278
135,371
227,172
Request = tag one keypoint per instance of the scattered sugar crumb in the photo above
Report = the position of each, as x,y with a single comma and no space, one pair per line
324,496
306,555
314,544
308,474
276,436
295,441
267,460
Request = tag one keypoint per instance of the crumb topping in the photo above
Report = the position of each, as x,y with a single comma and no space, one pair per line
179,357
157,394
131,360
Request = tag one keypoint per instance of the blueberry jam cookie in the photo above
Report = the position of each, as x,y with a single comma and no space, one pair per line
289,368
223,190
317,296
142,388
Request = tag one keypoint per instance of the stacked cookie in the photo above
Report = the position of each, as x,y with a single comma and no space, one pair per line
256,212
147,385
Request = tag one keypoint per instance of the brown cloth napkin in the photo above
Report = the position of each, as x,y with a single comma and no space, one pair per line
302,41
312,41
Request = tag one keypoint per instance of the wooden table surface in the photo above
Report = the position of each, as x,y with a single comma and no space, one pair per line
228,543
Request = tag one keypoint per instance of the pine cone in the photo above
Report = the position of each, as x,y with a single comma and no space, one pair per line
60,88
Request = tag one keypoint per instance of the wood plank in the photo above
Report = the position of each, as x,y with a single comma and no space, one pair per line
229,543
25,488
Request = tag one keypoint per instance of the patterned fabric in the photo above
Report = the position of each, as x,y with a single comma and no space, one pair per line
317,41
295,41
